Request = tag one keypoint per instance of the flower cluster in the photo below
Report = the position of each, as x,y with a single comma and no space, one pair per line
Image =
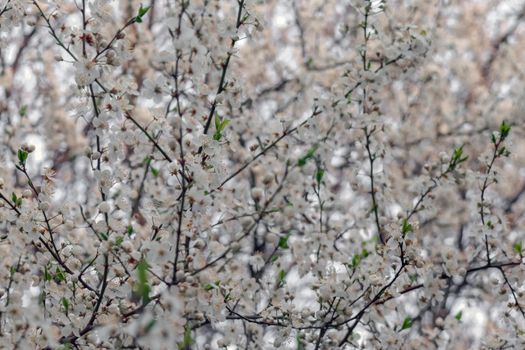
245,174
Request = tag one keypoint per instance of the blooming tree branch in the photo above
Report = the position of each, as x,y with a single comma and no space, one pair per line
245,174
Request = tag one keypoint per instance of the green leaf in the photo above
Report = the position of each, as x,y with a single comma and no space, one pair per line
129,230
406,227
187,341
518,247
47,275
220,125
22,157
319,176
503,151
65,304
504,130
224,123
217,121
142,288
59,275
14,197
155,172
457,158
458,152
299,338
211,286
407,323
119,240
149,326
283,242
458,316
23,111
281,278
104,236
356,259
142,12
311,152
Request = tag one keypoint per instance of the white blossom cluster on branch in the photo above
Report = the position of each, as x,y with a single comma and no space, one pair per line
262,174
